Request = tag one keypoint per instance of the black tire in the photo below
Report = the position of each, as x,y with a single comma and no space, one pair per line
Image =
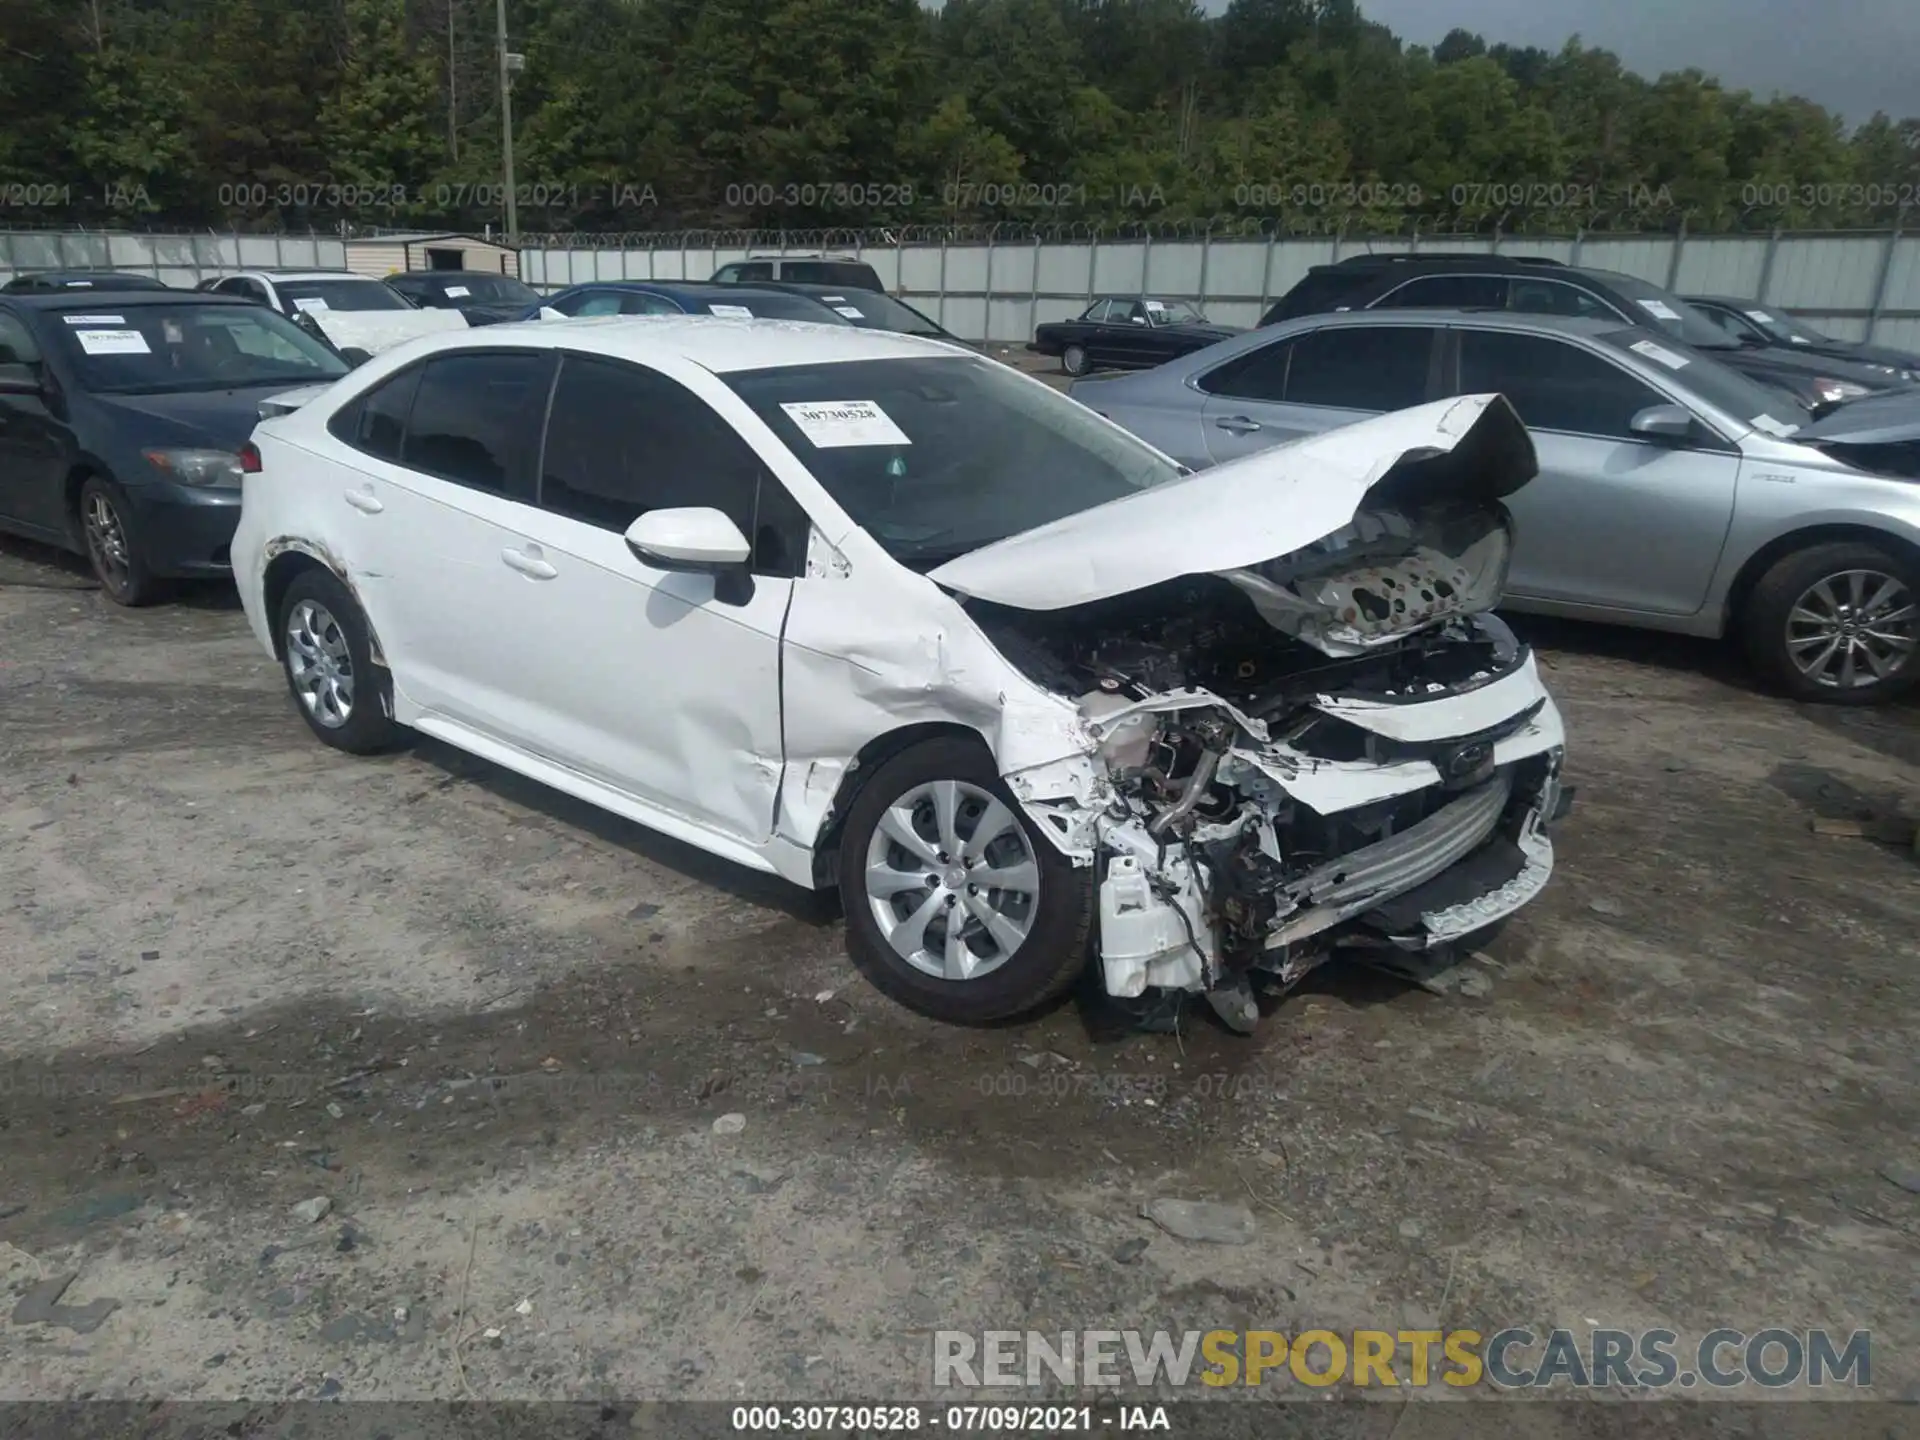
1764,621
335,617
1074,360
1039,970
113,545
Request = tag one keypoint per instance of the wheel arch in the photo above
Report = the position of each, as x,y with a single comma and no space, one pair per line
289,558
1781,546
870,757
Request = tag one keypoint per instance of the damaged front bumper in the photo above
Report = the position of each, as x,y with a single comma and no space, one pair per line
1439,830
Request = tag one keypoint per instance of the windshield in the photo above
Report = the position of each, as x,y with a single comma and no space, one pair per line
1667,312
1785,327
164,349
830,272
1172,312
324,295
870,310
1726,389
486,289
938,456
739,303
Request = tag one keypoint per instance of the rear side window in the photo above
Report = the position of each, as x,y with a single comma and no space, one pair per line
1315,292
1361,368
1258,375
377,422
476,419
757,270
623,440
1448,292
832,272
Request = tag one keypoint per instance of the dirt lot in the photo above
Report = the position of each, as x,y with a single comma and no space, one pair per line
494,1030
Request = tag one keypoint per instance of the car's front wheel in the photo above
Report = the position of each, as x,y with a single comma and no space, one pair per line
956,906
326,650
113,545
1074,360
1837,623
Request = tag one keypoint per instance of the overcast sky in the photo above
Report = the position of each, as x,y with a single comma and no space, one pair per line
1853,56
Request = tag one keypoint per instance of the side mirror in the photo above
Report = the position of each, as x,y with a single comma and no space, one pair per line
1670,424
355,356
696,540
18,379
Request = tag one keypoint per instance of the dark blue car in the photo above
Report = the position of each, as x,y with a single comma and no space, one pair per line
123,417
684,297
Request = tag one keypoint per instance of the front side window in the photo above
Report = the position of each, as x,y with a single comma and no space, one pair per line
1098,311
1554,385
16,342
623,440
1369,367
606,302
1528,296
475,419
940,455
172,348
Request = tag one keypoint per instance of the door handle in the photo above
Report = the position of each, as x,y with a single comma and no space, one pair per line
528,563
1237,424
365,500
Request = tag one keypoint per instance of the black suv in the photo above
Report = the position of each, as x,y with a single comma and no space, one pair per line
1536,285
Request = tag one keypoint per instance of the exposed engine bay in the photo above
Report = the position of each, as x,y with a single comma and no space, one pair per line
1337,747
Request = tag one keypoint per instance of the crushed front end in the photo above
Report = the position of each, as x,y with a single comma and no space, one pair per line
1342,747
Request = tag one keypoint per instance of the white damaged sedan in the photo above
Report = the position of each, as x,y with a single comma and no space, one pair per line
875,612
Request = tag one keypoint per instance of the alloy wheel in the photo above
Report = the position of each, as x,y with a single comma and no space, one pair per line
320,664
951,880
107,542
1852,629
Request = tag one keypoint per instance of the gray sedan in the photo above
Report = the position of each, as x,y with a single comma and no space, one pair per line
1673,494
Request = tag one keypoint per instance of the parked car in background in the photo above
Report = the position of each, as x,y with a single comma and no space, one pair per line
359,315
1128,332
40,282
1535,285
870,310
683,297
1751,323
816,269
483,298
123,422
1674,492
691,573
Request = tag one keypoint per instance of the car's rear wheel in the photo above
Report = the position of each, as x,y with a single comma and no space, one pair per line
1838,623
327,653
113,545
1074,360
956,906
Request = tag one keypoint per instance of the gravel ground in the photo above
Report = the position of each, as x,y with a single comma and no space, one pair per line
493,1030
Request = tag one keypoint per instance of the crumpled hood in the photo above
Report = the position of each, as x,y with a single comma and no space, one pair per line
377,330
1262,507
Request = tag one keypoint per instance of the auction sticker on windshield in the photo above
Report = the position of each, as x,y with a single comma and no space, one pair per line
112,342
95,319
1660,352
850,312
311,304
458,290
833,424
738,311
1762,316
1660,309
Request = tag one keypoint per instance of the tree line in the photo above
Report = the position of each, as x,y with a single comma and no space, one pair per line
676,114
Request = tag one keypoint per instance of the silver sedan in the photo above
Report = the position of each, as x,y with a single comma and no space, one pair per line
1673,493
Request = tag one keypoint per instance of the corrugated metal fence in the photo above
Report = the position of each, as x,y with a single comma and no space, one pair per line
1859,285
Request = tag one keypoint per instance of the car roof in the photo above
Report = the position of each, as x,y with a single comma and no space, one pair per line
27,278
803,255
1731,301
119,299
714,343
673,288
1440,259
1490,319
296,275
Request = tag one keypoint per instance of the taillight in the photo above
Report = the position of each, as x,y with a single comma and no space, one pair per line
249,459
